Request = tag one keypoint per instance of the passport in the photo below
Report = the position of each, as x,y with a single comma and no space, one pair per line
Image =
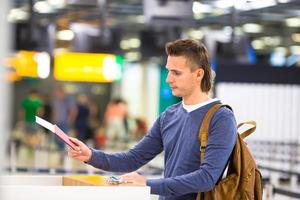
56,130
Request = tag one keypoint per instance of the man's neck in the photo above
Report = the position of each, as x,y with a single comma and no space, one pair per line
196,99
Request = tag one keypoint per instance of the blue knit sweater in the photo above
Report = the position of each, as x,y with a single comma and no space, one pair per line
176,133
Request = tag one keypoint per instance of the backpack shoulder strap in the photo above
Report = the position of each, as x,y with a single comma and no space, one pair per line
249,131
203,131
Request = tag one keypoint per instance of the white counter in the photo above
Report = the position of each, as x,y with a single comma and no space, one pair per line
38,187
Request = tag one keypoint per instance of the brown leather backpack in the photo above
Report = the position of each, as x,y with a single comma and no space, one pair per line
243,180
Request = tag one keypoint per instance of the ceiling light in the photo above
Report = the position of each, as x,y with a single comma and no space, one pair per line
253,4
242,5
133,56
283,1
42,7
124,44
252,28
296,37
17,14
271,41
199,8
295,50
57,3
224,4
65,35
227,30
258,44
134,43
196,34
293,22
257,4
282,50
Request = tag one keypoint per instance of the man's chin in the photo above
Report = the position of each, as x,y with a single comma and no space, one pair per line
176,94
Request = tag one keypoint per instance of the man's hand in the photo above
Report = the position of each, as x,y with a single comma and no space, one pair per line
132,179
82,152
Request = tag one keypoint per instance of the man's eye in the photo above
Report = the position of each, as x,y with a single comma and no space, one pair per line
176,73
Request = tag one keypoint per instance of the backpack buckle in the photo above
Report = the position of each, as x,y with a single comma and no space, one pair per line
202,149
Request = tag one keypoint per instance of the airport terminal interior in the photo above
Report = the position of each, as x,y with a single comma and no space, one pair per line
97,70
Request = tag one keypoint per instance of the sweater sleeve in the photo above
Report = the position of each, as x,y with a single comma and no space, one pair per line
221,140
143,152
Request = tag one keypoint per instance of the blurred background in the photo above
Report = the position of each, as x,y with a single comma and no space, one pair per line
96,68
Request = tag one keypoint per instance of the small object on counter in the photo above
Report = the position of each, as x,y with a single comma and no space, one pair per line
114,180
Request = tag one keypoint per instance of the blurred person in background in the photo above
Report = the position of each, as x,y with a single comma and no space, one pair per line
82,126
32,106
100,138
140,130
116,126
26,135
176,133
64,112
94,120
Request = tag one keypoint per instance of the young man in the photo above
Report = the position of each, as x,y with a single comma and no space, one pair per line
176,133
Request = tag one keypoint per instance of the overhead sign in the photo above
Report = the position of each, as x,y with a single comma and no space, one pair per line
30,64
87,67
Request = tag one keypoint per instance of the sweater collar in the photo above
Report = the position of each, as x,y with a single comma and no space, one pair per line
190,108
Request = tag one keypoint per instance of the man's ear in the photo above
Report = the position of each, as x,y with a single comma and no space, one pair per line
200,74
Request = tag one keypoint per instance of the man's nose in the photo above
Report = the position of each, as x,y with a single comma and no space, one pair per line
169,78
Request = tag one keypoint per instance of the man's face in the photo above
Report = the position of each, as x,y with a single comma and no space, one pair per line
183,81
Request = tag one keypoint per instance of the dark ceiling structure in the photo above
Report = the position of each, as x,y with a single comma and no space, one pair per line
269,24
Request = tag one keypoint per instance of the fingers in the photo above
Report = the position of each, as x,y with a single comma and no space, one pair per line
78,149
79,145
76,141
132,179
128,178
129,183
125,178
74,152
126,182
81,152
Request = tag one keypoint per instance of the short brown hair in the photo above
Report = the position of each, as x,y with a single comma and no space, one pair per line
196,53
